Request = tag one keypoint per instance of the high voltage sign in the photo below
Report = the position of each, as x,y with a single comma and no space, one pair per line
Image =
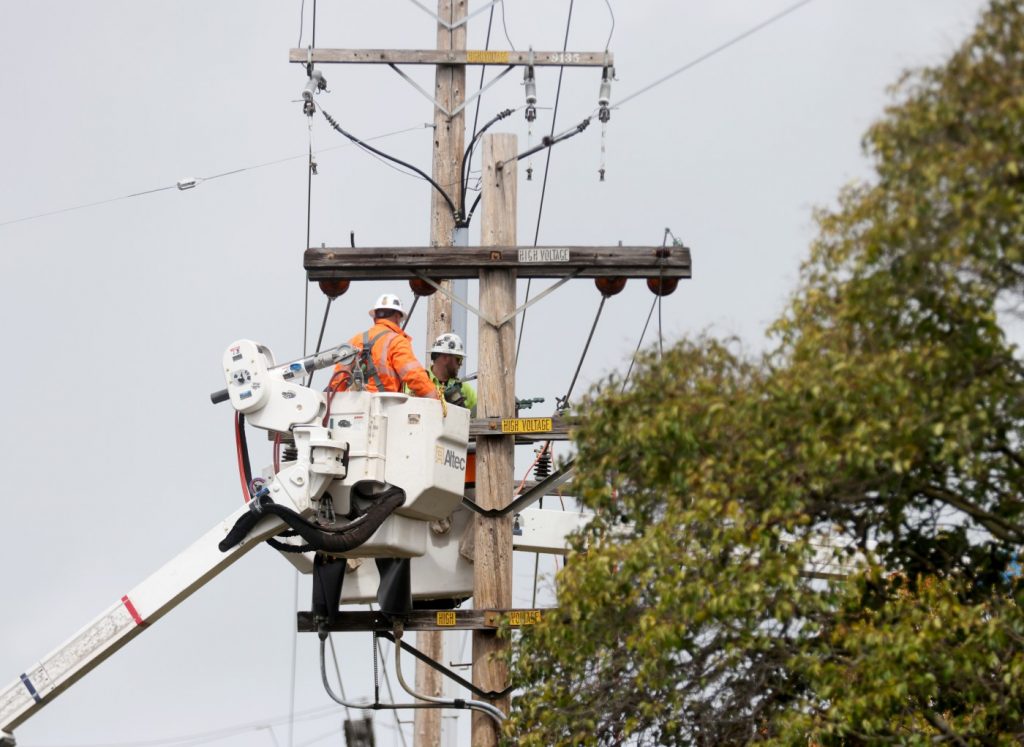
526,425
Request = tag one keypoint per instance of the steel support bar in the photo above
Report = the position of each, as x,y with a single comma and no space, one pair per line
374,620
438,666
548,485
451,57
405,263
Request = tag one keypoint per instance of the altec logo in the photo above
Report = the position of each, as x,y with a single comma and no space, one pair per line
453,460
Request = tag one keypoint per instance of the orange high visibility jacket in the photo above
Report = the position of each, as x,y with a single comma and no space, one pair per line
392,355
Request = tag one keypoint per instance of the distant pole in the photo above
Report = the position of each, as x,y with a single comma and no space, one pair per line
449,140
492,570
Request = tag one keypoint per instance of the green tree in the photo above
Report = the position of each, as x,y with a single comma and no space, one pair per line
888,414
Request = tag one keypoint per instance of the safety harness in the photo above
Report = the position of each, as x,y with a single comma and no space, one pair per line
365,360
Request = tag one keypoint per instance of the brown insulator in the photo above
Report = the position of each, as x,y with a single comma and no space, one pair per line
662,286
610,286
334,287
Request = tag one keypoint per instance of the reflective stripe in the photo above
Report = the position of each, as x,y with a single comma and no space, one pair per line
31,689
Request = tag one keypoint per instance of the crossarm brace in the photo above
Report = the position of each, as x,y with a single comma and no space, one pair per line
552,482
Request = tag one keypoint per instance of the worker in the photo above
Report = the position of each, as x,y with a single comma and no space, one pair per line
445,361
390,363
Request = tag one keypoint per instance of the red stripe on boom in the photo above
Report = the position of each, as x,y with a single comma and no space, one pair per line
132,611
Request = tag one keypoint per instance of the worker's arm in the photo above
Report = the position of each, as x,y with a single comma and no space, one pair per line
409,370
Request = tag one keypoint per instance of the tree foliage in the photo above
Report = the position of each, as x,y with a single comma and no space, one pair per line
886,417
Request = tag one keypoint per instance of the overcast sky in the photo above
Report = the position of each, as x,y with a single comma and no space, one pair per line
117,315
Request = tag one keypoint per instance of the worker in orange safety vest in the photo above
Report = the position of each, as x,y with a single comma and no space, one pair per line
391,362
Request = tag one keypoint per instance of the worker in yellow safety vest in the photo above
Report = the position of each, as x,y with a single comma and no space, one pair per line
445,361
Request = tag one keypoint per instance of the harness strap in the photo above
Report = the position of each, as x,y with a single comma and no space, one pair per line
366,357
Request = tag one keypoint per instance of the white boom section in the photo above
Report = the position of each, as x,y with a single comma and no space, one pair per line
120,623
266,394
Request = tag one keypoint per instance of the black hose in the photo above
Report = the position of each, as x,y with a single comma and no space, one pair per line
343,539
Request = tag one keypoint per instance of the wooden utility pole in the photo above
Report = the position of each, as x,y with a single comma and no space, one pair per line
492,572
449,142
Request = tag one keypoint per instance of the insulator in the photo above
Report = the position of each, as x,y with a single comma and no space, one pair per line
604,97
421,287
604,132
530,83
542,469
610,286
662,286
334,287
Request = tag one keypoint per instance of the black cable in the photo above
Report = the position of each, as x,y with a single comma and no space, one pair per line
612,32
382,154
563,402
483,69
309,217
505,27
548,142
547,165
468,157
244,448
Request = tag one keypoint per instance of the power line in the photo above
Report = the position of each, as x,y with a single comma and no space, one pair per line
696,61
221,733
505,27
200,180
547,165
612,31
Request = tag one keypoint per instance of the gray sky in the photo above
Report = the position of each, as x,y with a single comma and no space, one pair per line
117,315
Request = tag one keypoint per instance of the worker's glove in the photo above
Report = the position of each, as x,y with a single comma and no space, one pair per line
453,394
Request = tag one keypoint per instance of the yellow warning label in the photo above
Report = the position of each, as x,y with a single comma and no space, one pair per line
523,617
447,617
526,425
491,56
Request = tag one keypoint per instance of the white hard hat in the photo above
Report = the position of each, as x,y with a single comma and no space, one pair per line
388,302
450,344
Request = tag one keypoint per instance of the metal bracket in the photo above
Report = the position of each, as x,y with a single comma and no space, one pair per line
437,103
496,322
452,26
489,694
555,480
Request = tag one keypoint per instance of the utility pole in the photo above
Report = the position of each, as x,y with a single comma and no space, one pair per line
492,570
449,142
497,264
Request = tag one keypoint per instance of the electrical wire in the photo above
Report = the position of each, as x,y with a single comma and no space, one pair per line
612,32
200,180
400,162
563,402
505,27
225,732
547,166
483,70
721,47
302,20
639,343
